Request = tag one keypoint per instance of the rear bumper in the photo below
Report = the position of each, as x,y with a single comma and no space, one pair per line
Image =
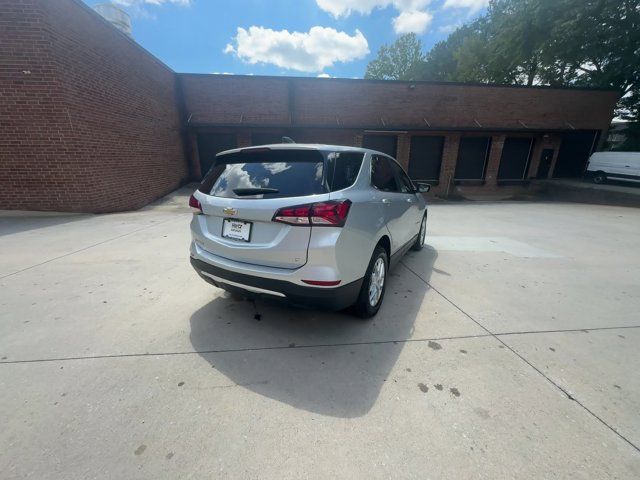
336,298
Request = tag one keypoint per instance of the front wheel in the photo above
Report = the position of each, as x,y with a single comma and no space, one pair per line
419,243
373,286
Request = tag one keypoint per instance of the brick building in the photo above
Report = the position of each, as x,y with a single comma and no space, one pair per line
90,121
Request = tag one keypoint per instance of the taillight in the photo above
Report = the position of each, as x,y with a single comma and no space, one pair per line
194,203
332,213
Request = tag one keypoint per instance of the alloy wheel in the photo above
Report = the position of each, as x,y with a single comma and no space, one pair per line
376,282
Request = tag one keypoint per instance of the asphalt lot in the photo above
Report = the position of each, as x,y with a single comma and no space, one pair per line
509,348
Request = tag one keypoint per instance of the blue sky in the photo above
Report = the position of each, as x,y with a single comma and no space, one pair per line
286,37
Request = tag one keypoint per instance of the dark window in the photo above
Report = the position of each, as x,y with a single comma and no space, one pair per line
382,174
382,143
404,183
342,169
271,173
210,144
262,138
515,158
574,153
425,157
322,136
472,158
545,163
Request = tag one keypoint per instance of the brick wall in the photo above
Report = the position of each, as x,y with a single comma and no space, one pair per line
89,120
313,102
339,111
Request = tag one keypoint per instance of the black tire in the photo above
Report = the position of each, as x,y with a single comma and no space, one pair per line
363,307
599,178
422,233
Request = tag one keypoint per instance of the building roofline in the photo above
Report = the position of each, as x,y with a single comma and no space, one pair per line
389,130
397,82
340,80
132,40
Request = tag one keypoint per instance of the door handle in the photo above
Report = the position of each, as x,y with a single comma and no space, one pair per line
386,201
410,200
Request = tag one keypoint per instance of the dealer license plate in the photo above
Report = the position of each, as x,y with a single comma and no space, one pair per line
236,229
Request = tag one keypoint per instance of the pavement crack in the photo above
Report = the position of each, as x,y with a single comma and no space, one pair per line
521,357
248,349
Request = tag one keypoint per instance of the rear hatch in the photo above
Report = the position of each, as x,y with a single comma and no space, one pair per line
244,190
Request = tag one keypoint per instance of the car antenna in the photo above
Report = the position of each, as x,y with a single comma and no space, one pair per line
287,140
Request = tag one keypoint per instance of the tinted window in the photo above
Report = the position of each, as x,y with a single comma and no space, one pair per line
342,169
472,158
279,173
265,138
425,157
382,175
382,143
515,158
210,144
403,181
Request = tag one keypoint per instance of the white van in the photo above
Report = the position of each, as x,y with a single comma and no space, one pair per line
605,166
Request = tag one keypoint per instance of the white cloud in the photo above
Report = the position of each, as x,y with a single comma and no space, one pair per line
324,75
138,8
413,16
412,21
311,51
130,3
472,5
449,28
344,8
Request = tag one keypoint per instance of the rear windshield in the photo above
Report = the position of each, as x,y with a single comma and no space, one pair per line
280,173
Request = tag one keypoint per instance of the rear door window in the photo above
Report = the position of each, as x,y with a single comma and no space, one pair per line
382,174
266,174
343,169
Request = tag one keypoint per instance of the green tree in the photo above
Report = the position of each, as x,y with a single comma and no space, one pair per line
592,43
442,62
395,61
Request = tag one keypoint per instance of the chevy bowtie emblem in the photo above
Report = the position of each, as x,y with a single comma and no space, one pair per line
229,211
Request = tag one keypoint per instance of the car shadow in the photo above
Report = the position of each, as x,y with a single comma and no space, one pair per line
328,363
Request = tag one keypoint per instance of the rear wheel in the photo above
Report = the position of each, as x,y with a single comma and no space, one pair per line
419,243
599,178
374,284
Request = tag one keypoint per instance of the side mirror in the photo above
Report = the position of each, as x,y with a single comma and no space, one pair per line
423,187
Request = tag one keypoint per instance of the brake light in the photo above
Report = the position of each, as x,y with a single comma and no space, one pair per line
196,206
332,213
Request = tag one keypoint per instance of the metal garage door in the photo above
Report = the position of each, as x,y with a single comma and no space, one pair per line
515,158
383,143
472,158
209,144
425,158
574,153
262,138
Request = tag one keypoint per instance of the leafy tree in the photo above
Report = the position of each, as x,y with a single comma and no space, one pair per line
394,61
590,43
600,43
442,62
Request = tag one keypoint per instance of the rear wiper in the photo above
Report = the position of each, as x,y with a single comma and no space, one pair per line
241,192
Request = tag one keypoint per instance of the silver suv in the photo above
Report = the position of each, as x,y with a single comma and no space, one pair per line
317,225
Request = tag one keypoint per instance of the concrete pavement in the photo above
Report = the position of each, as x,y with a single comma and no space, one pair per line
506,349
